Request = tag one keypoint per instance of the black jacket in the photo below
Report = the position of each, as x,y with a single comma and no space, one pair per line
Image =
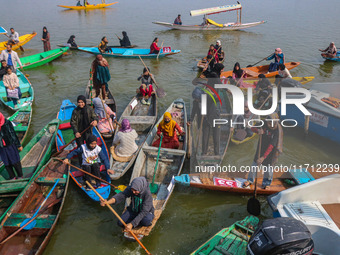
76,119
8,134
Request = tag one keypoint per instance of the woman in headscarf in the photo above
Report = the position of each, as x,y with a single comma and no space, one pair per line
330,51
168,127
125,42
219,50
92,157
82,117
213,52
239,74
72,42
100,75
154,49
9,148
46,39
124,140
279,58
105,116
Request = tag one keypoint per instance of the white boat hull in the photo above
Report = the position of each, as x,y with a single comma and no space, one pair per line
232,26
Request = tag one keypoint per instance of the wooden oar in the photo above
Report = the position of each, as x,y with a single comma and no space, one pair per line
160,92
244,72
107,117
57,153
119,218
117,36
253,205
22,70
160,49
21,228
189,142
119,188
153,186
259,61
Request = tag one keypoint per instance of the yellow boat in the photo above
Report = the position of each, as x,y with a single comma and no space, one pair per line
88,7
22,40
237,142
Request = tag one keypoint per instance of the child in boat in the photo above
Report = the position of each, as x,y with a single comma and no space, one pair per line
92,157
154,49
124,140
330,51
167,128
105,116
9,148
140,212
284,72
239,74
213,52
102,47
146,88
3,69
11,82
271,147
279,58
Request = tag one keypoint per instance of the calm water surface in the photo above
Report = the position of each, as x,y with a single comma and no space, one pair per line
300,28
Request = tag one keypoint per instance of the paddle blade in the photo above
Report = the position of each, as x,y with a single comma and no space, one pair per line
29,226
254,206
153,188
160,92
249,66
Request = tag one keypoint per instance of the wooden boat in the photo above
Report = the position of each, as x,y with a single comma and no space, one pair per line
34,155
202,63
142,119
170,164
209,24
303,80
336,58
34,241
324,106
317,205
225,134
26,90
41,58
128,53
232,240
65,135
90,93
253,72
76,48
21,121
88,7
22,40
124,47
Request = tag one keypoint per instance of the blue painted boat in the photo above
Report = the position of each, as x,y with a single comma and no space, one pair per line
65,135
337,57
26,90
128,53
325,118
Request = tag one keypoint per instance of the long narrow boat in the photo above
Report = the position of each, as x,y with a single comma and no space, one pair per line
41,58
65,135
232,240
142,119
90,93
129,53
21,121
88,7
203,62
170,164
209,24
34,155
22,40
76,48
303,80
336,58
34,241
317,205
253,72
26,90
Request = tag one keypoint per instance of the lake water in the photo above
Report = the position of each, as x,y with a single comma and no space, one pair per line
299,28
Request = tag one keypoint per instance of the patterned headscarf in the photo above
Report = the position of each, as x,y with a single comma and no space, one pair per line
169,128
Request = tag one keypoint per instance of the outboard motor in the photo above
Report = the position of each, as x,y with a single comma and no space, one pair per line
284,236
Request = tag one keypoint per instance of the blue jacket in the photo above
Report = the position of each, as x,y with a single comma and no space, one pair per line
276,60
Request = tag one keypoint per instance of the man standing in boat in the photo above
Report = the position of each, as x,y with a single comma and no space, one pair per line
140,212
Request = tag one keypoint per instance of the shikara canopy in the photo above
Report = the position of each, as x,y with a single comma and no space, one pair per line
215,10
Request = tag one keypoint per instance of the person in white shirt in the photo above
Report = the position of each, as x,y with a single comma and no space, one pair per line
11,58
284,72
13,37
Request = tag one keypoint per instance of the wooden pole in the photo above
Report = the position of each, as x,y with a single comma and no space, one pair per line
307,119
241,15
119,218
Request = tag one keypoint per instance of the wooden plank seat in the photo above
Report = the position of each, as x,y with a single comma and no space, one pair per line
43,221
50,181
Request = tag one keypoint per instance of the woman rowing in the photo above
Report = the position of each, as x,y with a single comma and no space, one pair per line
213,52
100,75
167,128
105,116
125,42
279,58
330,51
239,74
125,140
154,49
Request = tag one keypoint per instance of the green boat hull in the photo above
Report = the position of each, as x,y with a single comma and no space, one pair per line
31,152
42,58
21,121
232,240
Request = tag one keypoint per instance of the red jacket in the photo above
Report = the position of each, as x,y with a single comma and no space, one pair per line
154,47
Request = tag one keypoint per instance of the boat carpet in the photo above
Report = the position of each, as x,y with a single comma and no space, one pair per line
333,211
